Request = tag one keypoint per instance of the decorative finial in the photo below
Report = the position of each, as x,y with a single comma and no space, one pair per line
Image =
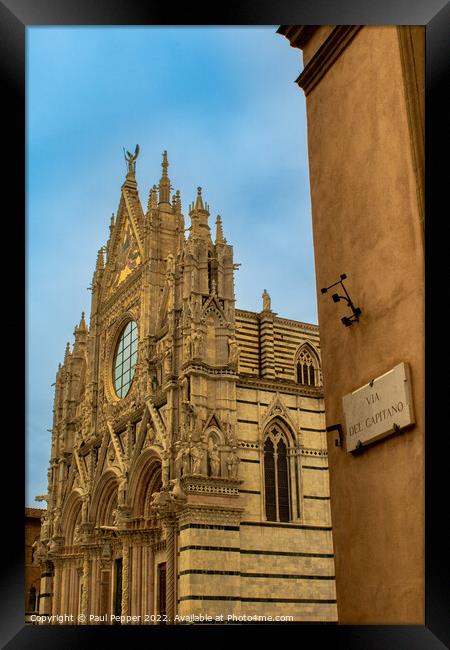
199,202
165,164
82,326
130,159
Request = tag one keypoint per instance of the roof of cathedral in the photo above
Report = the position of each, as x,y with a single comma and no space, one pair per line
35,512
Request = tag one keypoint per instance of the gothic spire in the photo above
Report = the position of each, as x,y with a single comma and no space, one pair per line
67,353
164,183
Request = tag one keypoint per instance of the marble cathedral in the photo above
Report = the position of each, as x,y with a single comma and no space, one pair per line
188,473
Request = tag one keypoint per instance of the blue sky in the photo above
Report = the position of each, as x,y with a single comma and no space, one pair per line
223,102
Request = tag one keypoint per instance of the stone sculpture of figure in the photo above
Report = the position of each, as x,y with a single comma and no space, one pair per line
179,458
214,460
266,301
176,490
197,342
170,264
131,159
44,527
168,361
187,347
189,416
187,458
233,350
115,517
77,535
233,461
57,532
197,457
196,307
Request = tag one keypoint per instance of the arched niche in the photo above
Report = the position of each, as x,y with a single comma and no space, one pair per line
145,479
104,498
71,516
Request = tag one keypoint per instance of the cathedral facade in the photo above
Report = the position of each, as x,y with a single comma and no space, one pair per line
188,475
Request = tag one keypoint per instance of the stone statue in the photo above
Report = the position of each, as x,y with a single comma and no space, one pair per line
170,264
168,361
115,517
266,301
179,458
187,459
189,416
197,457
77,535
176,490
131,159
233,461
57,532
197,342
187,347
233,351
44,527
214,460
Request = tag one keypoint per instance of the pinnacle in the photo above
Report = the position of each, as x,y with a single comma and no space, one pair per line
199,202
219,232
153,198
82,325
100,259
164,183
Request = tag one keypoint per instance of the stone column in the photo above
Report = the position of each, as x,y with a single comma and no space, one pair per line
46,591
125,579
56,608
85,587
170,527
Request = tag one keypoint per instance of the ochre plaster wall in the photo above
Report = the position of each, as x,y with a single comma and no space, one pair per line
366,223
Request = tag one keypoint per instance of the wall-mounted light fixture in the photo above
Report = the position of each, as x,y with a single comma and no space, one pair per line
356,312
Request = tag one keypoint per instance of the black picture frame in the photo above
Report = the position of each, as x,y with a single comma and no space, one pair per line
15,16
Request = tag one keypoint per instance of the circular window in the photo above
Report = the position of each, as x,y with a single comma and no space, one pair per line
125,359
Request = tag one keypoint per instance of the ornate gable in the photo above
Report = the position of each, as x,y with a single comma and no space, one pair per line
125,247
275,409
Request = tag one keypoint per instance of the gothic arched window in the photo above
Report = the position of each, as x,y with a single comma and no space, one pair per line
306,368
281,482
125,359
